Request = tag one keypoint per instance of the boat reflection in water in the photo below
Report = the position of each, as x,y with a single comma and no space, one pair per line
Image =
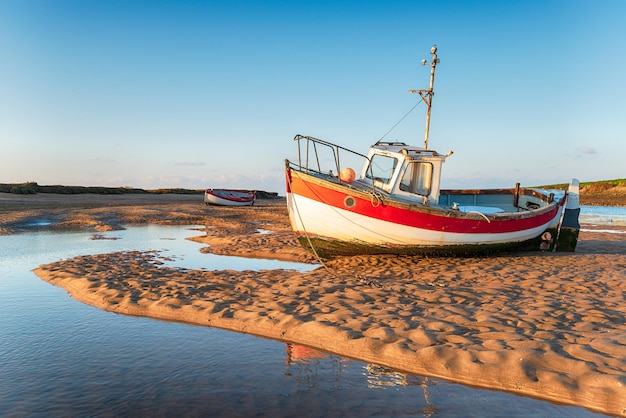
306,365
302,354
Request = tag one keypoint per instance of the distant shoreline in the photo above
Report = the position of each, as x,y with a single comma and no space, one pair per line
34,188
597,193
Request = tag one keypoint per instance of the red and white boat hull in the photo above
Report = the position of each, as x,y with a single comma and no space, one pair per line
225,197
334,222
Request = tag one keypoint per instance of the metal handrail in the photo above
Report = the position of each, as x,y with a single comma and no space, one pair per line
335,149
314,141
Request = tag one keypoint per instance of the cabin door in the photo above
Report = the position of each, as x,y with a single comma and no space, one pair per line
417,178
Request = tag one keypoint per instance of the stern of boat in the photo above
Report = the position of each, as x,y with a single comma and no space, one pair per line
567,236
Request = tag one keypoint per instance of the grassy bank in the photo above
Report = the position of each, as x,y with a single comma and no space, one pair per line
34,188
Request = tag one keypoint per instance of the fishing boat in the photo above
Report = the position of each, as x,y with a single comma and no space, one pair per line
394,204
226,197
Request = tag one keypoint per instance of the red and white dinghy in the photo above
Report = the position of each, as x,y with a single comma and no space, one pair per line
226,197
395,205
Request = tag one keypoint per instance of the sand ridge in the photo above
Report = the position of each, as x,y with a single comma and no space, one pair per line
546,325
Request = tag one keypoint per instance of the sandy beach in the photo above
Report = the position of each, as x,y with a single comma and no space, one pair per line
545,325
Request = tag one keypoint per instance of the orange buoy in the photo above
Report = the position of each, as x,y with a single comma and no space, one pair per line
347,175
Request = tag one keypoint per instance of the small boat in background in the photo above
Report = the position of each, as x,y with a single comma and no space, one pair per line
226,197
394,205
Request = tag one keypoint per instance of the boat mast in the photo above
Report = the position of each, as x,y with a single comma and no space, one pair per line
427,95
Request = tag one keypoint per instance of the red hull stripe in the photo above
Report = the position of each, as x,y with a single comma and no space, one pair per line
413,218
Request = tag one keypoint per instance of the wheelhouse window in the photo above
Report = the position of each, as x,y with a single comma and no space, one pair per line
417,178
381,168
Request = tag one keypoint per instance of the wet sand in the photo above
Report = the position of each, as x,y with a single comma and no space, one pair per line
546,325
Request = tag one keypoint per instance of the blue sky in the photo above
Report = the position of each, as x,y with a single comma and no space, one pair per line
196,94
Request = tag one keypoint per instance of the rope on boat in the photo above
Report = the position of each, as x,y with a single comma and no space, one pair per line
360,278
376,199
401,119
306,234
558,231
481,214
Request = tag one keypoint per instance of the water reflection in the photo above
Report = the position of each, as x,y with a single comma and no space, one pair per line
381,376
603,216
309,368
304,363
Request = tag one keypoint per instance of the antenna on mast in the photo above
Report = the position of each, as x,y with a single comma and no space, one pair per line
427,95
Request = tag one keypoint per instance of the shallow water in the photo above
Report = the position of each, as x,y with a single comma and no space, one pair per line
59,357
603,216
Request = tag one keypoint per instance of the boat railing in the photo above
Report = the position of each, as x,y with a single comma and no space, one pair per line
317,156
